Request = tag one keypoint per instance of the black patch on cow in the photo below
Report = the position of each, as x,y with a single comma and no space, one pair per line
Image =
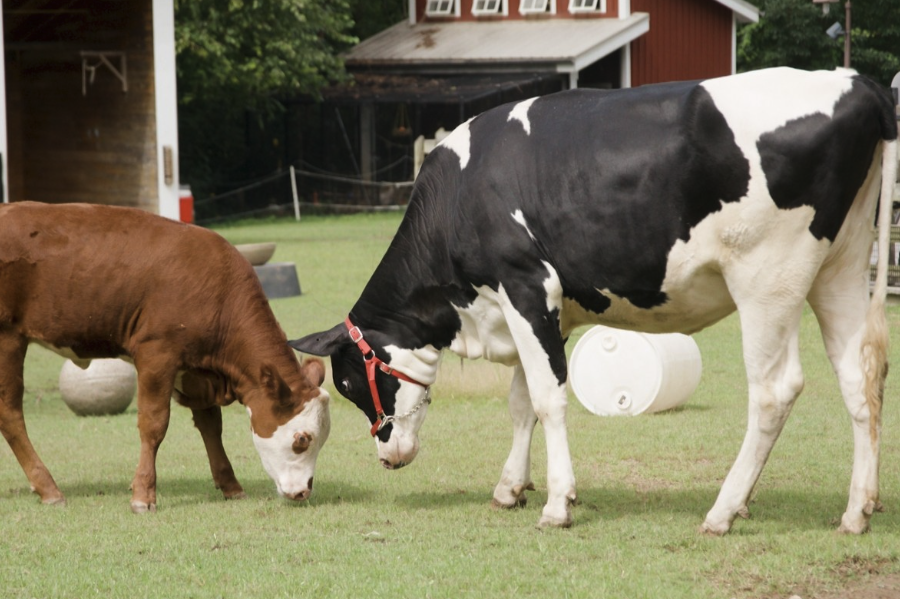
822,161
607,183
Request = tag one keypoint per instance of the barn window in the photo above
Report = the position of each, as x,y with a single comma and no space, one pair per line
529,7
587,5
486,7
440,8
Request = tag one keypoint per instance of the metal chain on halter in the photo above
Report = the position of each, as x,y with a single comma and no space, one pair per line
392,417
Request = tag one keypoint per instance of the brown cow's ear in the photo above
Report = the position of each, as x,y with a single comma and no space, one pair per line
301,442
273,383
313,370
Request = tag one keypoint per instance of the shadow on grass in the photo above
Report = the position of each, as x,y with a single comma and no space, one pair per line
796,509
793,509
183,491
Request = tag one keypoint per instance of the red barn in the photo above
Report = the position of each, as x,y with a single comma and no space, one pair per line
453,59
595,43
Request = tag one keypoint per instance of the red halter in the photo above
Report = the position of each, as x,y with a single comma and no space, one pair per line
373,362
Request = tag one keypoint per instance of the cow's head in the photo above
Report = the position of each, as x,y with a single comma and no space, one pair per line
368,375
290,424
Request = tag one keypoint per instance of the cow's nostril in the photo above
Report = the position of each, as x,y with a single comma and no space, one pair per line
309,484
387,464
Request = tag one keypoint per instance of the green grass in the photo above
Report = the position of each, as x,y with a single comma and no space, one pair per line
644,485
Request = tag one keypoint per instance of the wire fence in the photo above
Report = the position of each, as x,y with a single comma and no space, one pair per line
294,191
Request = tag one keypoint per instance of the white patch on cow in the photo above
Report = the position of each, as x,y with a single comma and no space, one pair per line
768,99
520,113
520,218
798,94
460,142
485,331
420,364
291,471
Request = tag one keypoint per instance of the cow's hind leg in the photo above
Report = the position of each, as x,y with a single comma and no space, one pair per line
771,353
209,422
841,303
516,476
12,419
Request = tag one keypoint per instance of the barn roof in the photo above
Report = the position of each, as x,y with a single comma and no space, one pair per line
566,45
745,12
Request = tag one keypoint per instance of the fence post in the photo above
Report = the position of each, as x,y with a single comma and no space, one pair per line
294,191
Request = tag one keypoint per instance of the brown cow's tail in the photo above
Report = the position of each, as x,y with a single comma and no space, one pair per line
875,343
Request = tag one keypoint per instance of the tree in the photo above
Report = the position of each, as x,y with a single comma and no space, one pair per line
255,50
235,60
792,33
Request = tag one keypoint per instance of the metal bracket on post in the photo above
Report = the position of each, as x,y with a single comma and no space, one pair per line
102,59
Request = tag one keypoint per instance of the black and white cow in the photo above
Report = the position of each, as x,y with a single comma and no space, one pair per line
662,208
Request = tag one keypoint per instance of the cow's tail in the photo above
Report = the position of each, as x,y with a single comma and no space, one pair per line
875,342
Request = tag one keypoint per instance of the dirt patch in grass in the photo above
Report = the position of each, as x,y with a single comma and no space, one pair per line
877,586
865,579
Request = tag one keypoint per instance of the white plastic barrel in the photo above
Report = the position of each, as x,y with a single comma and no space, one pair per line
624,373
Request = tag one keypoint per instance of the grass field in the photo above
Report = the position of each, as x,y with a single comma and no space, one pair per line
644,485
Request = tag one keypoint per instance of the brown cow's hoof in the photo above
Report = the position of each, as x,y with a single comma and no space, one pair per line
60,501
139,507
238,495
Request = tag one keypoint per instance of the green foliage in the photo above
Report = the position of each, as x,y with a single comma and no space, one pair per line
789,33
792,33
251,51
372,16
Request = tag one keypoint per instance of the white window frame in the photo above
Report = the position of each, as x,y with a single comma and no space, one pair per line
442,8
491,8
546,7
584,6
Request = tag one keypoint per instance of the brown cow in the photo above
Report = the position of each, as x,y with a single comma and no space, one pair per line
90,281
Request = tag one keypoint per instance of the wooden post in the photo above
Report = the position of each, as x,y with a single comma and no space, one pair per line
847,36
296,197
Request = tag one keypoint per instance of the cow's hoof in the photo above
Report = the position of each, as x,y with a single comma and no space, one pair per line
499,505
512,498
715,529
60,501
555,522
856,524
139,507
238,495
562,519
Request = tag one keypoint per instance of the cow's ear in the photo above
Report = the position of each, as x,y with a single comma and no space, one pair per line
273,383
313,370
326,343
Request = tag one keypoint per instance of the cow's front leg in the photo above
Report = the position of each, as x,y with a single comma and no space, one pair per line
516,476
209,422
543,360
155,386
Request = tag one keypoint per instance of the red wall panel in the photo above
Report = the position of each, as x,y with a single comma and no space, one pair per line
688,39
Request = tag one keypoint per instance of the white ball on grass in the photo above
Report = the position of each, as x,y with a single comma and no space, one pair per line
107,386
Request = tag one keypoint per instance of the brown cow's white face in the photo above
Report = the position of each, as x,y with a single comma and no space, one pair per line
289,455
